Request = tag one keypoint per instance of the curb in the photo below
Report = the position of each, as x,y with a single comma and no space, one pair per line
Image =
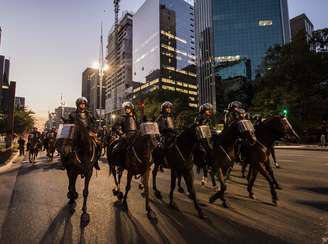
301,149
10,161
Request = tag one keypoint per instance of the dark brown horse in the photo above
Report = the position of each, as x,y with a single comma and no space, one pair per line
272,129
78,153
137,163
180,160
51,147
33,150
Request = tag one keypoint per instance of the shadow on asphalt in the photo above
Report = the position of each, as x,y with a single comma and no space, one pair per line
63,216
319,190
320,205
127,228
44,166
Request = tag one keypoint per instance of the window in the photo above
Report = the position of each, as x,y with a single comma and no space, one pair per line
265,22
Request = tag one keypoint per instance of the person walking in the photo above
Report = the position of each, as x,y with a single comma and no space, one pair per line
21,143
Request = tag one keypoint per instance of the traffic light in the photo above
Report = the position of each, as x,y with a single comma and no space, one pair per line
285,112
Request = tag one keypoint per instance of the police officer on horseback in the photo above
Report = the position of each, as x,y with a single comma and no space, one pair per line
126,127
166,124
234,113
82,116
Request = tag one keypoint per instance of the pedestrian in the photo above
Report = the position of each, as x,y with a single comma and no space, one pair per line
21,143
323,140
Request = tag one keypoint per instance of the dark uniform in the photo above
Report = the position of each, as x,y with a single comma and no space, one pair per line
21,143
85,118
234,113
166,124
126,127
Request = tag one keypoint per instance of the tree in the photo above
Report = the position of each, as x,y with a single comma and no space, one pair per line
152,103
293,77
23,120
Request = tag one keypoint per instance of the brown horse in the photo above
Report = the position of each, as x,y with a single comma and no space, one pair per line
137,163
51,147
78,153
272,129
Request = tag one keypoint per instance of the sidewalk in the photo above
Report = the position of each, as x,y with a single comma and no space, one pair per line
8,175
302,147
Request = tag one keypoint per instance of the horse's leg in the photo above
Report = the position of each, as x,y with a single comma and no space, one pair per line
270,171
271,183
249,172
273,154
154,172
215,187
180,188
173,184
204,178
85,217
127,189
220,194
243,169
150,213
189,179
253,171
72,195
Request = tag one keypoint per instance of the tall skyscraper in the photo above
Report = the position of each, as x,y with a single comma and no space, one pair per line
164,48
234,30
119,60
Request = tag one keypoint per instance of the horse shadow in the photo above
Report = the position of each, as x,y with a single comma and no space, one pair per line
319,190
320,205
63,218
41,166
128,229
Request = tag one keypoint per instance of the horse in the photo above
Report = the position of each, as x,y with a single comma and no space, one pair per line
51,147
137,163
78,153
222,157
33,150
272,129
180,160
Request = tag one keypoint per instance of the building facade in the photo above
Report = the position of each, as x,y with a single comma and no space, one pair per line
19,103
91,91
233,29
301,23
164,48
119,59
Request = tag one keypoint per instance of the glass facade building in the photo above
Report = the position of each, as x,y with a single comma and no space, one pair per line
164,48
237,28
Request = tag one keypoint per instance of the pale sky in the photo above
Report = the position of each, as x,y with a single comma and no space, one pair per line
50,42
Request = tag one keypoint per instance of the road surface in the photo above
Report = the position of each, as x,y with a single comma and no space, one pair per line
33,208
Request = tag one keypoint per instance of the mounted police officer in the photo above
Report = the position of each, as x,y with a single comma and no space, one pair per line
166,127
83,116
34,136
166,123
234,113
126,128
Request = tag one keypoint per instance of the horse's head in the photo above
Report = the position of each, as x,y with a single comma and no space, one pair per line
283,130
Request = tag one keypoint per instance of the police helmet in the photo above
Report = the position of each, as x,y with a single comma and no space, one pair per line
165,105
81,100
205,107
235,104
128,105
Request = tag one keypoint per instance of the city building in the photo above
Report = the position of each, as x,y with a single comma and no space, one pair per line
19,102
118,82
229,30
164,48
91,90
301,23
7,96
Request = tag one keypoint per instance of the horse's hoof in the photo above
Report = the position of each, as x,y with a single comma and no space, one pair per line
125,207
115,192
252,196
141,186
201,215
85,219
225,204
277,166
275,202
212,199
151,215
181,190
174,206
120,195
75,195
243,175
278,187
158,195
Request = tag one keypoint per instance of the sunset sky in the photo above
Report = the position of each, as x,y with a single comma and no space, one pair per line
50,42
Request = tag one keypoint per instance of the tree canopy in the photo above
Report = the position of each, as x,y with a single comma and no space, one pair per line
294,78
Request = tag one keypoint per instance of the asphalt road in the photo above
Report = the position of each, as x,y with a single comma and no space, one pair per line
33,208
